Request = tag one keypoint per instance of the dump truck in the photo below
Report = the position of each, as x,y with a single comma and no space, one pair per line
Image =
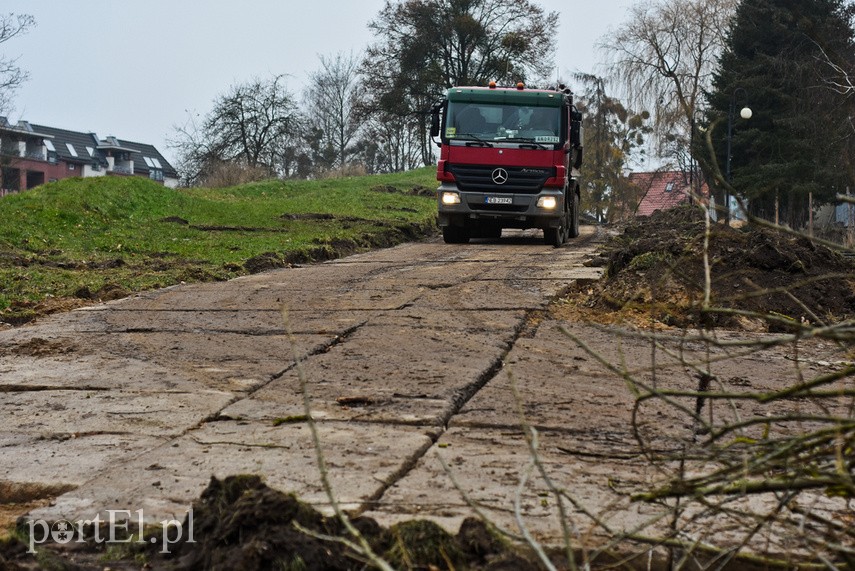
509,158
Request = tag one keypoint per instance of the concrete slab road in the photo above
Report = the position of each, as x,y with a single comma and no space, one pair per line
135,404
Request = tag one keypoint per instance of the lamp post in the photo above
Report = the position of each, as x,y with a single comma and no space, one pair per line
745,113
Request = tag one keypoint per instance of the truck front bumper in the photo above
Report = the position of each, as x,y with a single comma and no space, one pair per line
509,210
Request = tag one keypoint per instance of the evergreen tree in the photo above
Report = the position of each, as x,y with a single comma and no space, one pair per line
778,61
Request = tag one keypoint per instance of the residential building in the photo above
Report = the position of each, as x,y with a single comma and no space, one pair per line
31,155
665,189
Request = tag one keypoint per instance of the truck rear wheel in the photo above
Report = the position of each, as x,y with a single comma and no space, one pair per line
573,226
455,234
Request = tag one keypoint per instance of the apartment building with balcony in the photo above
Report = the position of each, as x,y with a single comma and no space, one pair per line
31,155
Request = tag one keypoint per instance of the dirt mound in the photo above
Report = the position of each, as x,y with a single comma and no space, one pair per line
240,523
760,278
264,262
107,292
22,311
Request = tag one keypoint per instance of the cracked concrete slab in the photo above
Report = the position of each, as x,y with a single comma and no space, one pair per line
488,464
399,374
409,354
362,461
56,458
593,441
393,344
161,414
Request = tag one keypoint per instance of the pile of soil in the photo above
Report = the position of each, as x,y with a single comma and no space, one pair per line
240,523
762,279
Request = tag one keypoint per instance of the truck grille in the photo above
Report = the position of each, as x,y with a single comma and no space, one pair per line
526,180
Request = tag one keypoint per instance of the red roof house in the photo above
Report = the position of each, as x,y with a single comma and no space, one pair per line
663,190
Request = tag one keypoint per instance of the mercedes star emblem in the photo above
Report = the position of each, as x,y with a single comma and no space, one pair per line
500,176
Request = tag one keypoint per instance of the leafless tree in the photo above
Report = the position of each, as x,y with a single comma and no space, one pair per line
664,57
389,144
254,125
11,76
330,104
840,78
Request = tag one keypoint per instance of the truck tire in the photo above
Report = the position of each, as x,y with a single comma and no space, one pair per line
556,237
573,226
455,234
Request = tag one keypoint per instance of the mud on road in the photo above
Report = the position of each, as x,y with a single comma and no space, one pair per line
421,362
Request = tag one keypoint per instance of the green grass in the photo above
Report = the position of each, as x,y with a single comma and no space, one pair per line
102,237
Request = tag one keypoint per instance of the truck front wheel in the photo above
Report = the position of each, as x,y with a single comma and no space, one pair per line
557,236
455,234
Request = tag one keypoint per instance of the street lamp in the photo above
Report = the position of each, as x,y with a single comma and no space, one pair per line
745,113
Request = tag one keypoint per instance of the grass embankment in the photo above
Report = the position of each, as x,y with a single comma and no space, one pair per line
77,240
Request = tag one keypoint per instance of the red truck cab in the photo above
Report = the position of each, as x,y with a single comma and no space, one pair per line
509,158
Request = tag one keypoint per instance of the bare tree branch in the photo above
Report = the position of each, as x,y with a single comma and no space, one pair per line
11,75
664,57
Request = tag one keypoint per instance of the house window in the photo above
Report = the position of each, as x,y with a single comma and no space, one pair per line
669,187
71,149
155,174
70,167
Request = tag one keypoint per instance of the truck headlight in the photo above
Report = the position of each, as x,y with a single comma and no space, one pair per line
547,202
450,198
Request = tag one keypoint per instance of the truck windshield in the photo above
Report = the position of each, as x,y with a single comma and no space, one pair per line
498,123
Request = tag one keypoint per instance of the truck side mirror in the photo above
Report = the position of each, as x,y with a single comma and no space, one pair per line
434,120
576,129
577,137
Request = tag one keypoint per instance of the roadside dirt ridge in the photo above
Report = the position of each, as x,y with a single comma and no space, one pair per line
136,403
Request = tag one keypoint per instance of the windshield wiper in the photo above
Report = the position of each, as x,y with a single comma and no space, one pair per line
526,143
478,142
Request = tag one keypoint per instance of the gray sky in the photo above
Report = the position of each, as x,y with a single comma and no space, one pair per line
135,70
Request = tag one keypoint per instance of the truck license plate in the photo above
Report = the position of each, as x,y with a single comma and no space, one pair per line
499,200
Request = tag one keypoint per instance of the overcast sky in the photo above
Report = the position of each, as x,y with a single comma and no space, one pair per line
135,70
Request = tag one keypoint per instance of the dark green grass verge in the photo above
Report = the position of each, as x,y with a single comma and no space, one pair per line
77,240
